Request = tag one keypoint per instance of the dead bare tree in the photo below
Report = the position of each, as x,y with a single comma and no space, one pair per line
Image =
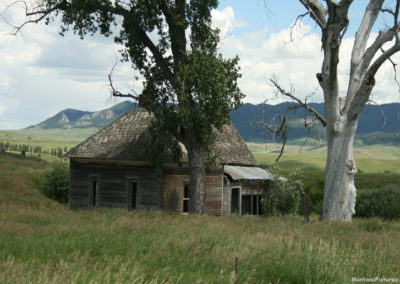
281,127
342,113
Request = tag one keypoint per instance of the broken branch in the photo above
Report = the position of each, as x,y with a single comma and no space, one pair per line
116,93
301,103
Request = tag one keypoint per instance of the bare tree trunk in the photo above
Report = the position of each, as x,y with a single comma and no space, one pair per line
197,187
342,115
340,191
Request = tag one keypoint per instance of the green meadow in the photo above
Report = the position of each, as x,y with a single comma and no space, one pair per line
378,165
46,144
16,137
42,241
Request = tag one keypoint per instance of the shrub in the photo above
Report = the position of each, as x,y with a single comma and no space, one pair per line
55,182
282,196
315,191
382,203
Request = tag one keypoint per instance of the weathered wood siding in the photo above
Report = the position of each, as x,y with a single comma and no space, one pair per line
113,181
173,185
246,188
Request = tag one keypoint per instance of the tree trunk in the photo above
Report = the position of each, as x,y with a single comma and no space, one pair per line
197,187
340,191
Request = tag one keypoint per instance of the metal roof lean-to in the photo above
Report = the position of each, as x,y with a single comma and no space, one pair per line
247,173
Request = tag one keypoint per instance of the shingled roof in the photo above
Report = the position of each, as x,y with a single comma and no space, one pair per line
123,140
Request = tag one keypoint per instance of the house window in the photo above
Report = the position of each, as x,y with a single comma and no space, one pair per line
94,191
251,204
186,199
132,195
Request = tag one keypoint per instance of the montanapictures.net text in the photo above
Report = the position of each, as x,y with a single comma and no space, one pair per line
375,279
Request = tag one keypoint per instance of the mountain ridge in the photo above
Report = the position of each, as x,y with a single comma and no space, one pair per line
370,127
73,118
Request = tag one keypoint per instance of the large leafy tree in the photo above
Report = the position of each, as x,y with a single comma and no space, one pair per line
189,87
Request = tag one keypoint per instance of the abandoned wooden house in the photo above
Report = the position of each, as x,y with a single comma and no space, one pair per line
110,169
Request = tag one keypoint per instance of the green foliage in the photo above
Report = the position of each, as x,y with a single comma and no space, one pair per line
209,91
382,203
190,88
282,196
387,138
162,147
54,183
315,191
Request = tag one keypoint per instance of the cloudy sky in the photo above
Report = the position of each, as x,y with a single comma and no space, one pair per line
42,73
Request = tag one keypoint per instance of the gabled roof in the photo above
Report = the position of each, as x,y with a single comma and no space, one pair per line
123,140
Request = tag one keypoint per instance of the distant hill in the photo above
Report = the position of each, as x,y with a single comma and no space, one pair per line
72,118
77,124
72,123
371,121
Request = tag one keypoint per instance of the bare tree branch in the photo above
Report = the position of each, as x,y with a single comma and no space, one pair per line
361,57
299,17
317,11
362,96
40,12
394,65
282,127
382,112
116,93
34,15
302,104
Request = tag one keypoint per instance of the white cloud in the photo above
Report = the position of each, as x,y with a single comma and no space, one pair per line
294,56
226,21
42,73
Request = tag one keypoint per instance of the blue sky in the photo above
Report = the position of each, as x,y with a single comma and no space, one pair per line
42,73
275,14
280,14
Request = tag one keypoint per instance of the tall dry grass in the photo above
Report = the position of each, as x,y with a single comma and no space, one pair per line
45,242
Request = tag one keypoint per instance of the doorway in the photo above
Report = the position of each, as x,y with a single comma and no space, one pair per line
132,196
235,206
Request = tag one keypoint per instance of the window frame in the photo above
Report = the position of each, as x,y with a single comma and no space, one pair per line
185,199
94,191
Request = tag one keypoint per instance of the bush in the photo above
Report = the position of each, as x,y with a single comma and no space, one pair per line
315,191
382,203
55,182
282,196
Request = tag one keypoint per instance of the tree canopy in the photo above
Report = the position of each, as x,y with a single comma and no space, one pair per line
188,85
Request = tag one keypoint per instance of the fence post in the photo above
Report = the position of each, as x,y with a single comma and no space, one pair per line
236,269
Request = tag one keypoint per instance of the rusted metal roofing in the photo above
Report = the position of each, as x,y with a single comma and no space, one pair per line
124,139
247,173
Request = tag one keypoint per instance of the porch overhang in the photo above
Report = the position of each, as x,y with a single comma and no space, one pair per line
247,173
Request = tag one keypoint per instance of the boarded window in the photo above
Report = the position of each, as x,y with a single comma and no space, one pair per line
94,191
132,196
186,199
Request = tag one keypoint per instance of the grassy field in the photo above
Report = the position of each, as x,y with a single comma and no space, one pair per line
378,165
14,137
78,134
45,143
42,241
